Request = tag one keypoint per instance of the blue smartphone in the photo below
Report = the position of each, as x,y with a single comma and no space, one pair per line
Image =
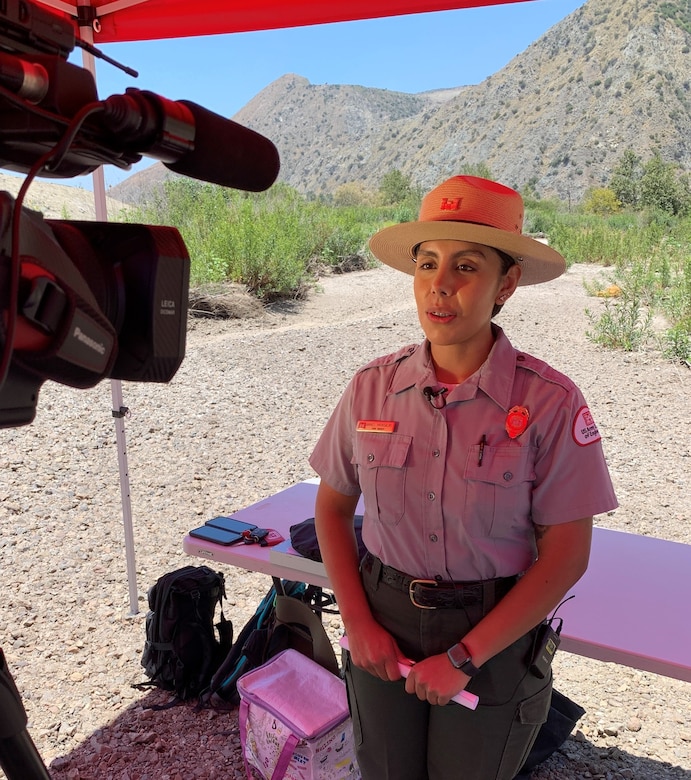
217,535
230,524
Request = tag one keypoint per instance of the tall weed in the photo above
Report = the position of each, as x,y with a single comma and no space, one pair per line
652,268
624,324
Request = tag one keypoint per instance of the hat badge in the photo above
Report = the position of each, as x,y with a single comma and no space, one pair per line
450,204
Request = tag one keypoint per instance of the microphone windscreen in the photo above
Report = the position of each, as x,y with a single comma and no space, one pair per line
228,154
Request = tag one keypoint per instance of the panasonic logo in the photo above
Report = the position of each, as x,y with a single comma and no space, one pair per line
89,342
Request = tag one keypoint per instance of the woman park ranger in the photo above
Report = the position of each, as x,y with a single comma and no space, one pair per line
481,469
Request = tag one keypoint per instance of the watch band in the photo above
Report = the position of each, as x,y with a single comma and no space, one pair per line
460,658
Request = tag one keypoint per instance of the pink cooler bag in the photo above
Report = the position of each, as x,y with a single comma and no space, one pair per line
294,722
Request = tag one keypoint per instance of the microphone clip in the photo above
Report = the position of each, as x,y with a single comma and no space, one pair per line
436,397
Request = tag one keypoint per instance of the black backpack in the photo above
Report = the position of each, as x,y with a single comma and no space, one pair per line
181,651
287,617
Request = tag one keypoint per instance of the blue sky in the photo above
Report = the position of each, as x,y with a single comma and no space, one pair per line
407,53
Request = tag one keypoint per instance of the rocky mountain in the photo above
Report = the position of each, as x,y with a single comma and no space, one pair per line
615,74
58,201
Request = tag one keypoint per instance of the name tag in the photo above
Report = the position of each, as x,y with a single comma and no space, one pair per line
376,426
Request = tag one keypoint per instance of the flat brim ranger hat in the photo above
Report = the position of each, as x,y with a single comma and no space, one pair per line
469,208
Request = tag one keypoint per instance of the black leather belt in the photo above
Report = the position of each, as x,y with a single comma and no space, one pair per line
431,594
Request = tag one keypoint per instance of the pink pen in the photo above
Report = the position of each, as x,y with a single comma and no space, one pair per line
465,698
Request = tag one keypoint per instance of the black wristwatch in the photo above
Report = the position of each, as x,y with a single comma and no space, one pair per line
460,658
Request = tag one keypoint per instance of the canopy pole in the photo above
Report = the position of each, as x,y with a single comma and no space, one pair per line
119,413
119,410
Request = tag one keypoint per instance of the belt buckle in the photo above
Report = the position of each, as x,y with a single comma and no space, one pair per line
411,591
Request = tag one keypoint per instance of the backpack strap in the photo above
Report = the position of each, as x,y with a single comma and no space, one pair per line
292,610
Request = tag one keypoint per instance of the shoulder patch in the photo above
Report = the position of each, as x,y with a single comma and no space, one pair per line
584,429
389,360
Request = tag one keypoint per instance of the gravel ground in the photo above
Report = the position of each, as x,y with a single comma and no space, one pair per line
236,424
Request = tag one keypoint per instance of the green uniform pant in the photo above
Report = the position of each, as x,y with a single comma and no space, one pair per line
399,737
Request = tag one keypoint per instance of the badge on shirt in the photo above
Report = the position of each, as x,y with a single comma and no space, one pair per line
584,429
516,421
376,426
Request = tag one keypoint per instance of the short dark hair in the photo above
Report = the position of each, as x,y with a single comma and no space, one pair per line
506,262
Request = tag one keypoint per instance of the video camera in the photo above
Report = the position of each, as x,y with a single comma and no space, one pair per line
82,301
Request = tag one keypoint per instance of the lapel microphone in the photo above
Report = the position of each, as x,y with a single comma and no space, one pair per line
435,398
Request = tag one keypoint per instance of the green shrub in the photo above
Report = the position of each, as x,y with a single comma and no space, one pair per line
269,241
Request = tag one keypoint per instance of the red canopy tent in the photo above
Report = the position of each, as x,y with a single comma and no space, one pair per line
109,21
139,20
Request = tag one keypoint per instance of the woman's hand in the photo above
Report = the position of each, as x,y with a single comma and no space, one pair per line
373,649
435,679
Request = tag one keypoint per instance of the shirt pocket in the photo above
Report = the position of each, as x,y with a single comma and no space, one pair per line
499,488
381,463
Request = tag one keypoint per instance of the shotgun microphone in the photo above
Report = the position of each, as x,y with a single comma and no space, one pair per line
186,138
192,141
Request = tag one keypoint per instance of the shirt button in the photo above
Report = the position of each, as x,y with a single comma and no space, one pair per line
508,476
433,538
431,496
370,458
436,453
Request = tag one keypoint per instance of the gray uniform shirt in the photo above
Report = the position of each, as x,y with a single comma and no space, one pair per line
448,492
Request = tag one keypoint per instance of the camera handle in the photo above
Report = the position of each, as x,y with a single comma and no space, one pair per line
19,758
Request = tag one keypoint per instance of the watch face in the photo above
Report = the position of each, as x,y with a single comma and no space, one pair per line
458,656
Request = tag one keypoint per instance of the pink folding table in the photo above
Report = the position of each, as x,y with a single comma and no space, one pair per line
631,607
